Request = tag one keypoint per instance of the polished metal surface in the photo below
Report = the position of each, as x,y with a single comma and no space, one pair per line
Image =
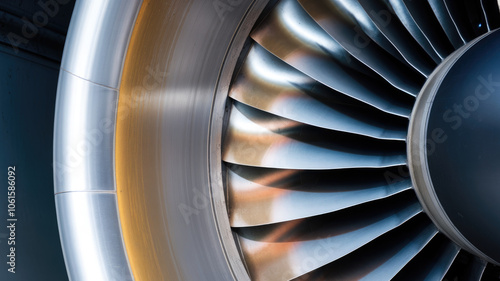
439,255
90,236
458,13
98,38
442,14
288,250
394,251
84,135
426,28
354,10
175,227
311,147
401,10
255,150
336,18
258,139
270,85
294,37
392,27
262,196
84,140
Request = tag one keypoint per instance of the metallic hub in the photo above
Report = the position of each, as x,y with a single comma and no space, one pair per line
454,147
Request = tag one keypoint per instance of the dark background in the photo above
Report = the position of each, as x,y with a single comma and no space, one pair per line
28,84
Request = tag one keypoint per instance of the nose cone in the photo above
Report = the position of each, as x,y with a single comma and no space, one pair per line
454,150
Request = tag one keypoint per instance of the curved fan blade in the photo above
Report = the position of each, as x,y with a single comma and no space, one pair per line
466,267
288,250
345,30
424,18
256,138
485,15
262,196
382,258
492,13
279,33
401,10
476,269
267,83
390,25
288,31
443,16
366,29
477,17
433,262
458,12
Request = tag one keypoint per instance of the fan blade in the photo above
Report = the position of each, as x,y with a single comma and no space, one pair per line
443,16
288,250
280,34
459,15
256,138
382,258
267,83
433,262
343,28
389,24
401,10
366,28
476,269
425,19
490,8
263,196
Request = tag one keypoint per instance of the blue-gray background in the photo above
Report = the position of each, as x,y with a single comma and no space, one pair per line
28,83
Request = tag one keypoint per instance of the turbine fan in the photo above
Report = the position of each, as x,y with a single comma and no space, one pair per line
315,147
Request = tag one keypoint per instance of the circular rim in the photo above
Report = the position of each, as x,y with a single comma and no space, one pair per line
84,133
217,122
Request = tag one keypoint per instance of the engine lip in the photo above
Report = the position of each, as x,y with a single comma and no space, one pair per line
417,153
86,200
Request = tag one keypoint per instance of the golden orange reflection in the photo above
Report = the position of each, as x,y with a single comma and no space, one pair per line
138,185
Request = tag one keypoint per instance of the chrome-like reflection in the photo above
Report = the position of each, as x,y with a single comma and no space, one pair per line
288,250
256,138
264,196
